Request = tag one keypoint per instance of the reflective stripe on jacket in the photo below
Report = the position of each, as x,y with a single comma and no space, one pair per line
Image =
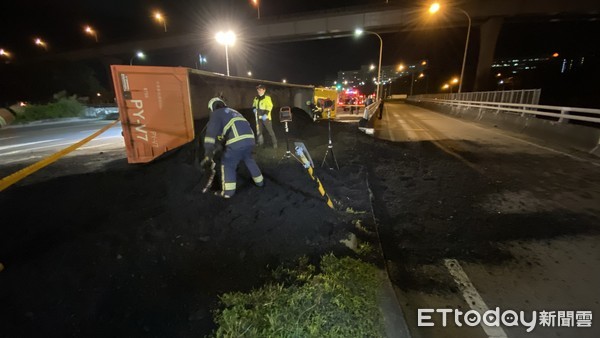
229,125
263,105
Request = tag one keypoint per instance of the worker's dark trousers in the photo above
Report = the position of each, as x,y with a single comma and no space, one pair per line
268,125
231,159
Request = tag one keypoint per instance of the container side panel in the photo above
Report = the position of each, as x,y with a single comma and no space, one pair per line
155,110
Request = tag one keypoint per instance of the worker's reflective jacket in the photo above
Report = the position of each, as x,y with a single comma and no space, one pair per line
263,105
229,126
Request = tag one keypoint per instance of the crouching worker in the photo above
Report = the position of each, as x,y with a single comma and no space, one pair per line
231,128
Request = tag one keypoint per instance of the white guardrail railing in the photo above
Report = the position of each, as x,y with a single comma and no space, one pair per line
563,114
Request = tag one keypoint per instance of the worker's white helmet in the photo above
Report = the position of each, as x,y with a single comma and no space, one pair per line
213,101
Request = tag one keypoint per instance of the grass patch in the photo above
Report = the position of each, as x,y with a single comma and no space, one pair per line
63,107
340,301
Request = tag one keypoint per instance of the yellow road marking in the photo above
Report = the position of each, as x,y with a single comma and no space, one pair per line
21,174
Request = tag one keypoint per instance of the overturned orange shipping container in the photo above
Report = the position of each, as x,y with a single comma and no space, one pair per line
159,106
155,110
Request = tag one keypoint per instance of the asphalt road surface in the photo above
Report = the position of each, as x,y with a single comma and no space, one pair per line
469,217
29,143
478,218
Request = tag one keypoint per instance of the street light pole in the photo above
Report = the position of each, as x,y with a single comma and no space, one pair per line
227,58
462,71
139,55
434,8
257,4
226,39
360,31
161,19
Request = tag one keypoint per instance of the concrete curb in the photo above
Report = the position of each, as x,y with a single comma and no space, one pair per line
393,316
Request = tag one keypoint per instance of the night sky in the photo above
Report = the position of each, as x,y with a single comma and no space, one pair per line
61,23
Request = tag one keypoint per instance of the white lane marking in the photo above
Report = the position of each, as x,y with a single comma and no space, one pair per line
27,144
21,159
471,296
37,148
6,138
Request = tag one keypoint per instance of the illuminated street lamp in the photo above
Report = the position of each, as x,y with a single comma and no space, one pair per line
250,73
284,81
41,43
453,82
371,67
359,32
161,19
257,5
4,53
90,31
140,55
400,67
227,39
434,8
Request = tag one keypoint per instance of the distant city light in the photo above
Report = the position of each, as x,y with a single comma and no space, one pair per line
555,55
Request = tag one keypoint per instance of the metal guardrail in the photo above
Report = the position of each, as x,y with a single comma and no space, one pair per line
525,96
562,114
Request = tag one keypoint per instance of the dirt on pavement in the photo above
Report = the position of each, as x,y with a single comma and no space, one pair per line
138,250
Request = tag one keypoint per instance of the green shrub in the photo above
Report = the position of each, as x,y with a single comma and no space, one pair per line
63,107
341,301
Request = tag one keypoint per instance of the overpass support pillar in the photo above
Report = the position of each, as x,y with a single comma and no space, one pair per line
487,45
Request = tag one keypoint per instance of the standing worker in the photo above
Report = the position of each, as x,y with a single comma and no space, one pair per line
233,129
262,106
380,109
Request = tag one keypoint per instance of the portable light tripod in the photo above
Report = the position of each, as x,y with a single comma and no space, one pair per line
285,116
287,154
329,144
